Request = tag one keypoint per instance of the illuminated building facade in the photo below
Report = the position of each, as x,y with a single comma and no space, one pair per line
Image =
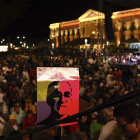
86,26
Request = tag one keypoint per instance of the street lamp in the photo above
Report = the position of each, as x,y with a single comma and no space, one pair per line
85,48
17,37
48,39
52,45
107,43
23,36
3,40
11,45
24,44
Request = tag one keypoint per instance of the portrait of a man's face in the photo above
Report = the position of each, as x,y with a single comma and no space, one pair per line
59,96
62,100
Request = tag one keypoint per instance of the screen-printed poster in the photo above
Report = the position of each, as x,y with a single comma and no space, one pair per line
57,94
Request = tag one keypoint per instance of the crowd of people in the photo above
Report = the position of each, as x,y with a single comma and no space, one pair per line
100,81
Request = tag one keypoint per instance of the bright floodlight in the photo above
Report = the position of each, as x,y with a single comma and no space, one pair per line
85,41
52,45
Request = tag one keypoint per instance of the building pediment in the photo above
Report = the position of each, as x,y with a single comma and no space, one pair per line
91,15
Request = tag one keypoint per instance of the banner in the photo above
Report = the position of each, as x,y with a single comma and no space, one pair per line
57,94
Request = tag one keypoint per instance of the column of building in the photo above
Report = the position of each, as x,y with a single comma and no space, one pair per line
71,34
66,36
76,33
62,36
57,37
81,30
137,31
127,33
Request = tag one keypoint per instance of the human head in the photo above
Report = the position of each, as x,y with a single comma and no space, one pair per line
100,101
28,103
16,103
29,113
100,119
16,109
108,113
77,136
12,118
45,135
84,119
127,115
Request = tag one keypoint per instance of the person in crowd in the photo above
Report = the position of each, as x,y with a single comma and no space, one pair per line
91,118
109,130
11,125
2,125
127,115
83,124
20,115
16,103
96,126
29,122
13,95
29,106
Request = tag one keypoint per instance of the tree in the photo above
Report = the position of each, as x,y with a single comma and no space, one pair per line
10,10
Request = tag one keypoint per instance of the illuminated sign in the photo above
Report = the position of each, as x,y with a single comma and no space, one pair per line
134,45
3,48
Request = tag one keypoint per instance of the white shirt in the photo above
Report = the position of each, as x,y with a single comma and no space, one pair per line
5,69
110,132
111,83
70,61
108,77
90,61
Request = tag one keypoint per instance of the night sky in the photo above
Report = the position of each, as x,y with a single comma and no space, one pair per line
34,24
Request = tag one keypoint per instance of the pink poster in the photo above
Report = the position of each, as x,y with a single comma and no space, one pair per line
61,100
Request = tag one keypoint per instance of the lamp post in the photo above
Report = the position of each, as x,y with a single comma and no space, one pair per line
85,48
52,45
53,48
11,46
